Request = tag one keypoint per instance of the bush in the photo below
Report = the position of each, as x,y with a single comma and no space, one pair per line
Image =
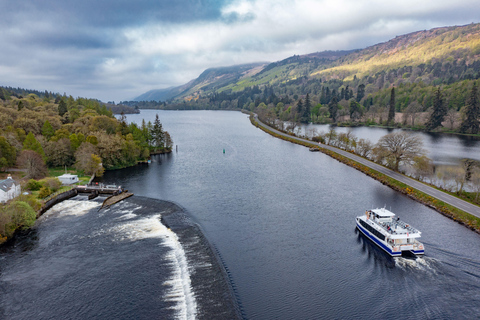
44,192
31,200
17,215
52,183
33,185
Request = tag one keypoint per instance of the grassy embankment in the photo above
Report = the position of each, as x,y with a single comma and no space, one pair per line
447,210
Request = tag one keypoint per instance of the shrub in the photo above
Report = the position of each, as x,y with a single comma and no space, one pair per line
52,183
44,192
19,215
33,185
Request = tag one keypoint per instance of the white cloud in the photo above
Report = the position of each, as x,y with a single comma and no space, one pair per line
123,61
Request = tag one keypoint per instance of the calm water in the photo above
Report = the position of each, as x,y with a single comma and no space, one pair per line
282,221
441,148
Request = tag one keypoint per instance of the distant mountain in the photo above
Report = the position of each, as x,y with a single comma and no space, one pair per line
440,56
210,79
234,77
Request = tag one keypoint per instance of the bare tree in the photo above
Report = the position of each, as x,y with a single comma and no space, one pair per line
364,148
452,117
411,112
400,147
423,167
33,163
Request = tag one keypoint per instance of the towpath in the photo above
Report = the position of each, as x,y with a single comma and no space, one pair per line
437,194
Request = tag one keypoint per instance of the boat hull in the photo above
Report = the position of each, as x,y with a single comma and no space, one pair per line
378,242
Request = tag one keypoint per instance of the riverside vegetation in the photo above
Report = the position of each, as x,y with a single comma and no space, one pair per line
40,131
393,150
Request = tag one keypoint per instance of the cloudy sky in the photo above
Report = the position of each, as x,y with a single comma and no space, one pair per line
119,49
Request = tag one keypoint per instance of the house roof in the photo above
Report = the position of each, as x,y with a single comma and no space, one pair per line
7,184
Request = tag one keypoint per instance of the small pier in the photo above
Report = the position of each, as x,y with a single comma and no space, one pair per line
99,189
117,193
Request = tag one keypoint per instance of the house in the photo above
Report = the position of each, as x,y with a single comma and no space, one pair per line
67,178
9,189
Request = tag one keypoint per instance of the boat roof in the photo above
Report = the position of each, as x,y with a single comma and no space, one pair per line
383,212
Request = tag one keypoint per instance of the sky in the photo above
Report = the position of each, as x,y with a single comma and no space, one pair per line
115,50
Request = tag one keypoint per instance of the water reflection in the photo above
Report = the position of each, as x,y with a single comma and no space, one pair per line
442,148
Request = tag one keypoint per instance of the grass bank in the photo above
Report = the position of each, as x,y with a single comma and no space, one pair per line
447,210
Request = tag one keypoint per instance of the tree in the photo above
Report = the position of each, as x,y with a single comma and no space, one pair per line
391,108
62,108
47,130
30,143
33,163
88,161
22,216
438,114
8,153
59,153
360,92
356,110
472,113
307,109
168,141
333,108
157,133
399,148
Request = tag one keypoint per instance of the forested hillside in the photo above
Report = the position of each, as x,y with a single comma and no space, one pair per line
65,131
356,87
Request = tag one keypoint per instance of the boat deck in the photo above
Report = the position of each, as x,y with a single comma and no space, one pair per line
397,227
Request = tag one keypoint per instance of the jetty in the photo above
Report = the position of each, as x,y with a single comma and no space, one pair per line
115,198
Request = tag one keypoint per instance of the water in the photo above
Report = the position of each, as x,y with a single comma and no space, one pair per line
443,149
281,220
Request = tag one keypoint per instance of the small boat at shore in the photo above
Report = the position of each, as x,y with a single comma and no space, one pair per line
389,232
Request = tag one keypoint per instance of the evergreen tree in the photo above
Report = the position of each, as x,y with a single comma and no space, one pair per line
322,96
47,130
300,108
20,105
472,113
333,108
391,109
30,143
62,107
307,109
439,112
157,133
360,92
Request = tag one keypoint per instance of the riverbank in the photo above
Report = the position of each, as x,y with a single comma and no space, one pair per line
465,218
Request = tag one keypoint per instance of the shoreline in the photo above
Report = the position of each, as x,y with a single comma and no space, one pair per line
464,218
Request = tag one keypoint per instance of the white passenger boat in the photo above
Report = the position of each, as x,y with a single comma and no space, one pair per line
389,232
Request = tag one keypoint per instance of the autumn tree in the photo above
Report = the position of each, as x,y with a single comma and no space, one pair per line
399,148
33,163
88,161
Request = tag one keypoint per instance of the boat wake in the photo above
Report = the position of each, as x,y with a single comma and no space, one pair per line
419,263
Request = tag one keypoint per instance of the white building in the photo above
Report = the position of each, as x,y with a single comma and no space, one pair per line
68,178
9,189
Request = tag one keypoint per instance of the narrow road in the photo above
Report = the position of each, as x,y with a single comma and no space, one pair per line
437,194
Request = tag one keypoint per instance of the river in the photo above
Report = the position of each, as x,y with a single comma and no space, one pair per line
282,222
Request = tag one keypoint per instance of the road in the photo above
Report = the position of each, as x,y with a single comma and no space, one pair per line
437,194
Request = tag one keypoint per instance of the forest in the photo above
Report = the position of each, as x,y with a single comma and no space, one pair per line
40,131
